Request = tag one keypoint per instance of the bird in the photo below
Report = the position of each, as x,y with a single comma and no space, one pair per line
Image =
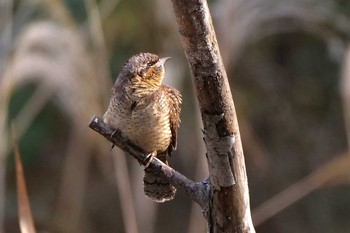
147,113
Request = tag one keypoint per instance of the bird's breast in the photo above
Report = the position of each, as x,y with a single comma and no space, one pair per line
146,125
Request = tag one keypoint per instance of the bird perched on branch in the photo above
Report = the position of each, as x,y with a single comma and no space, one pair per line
148,114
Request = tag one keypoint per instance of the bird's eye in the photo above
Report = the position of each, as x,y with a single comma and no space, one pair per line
149,64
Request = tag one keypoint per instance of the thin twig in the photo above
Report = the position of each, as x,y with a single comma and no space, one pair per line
6,25
123,184
197,191
121,172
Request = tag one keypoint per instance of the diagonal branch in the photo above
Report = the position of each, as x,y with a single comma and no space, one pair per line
197,191
224,197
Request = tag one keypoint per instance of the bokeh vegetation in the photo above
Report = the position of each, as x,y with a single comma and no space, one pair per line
286,64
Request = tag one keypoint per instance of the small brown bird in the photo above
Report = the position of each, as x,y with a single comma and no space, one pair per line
148,114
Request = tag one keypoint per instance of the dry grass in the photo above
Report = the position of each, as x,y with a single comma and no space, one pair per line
25,215
69,63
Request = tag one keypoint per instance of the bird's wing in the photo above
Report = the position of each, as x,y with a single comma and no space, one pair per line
174,103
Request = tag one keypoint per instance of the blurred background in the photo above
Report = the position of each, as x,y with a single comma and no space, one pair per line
289,72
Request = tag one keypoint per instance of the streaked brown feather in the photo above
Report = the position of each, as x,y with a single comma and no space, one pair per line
174,105
148,113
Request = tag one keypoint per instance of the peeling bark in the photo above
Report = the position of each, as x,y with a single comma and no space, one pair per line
229,208
224,196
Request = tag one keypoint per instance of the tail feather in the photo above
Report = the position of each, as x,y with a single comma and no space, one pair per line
157,188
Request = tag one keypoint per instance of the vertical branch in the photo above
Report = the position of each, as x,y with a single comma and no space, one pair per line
120,168
345,92
230,210
124,189
6,24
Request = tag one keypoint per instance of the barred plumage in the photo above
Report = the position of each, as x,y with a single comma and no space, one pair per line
148,114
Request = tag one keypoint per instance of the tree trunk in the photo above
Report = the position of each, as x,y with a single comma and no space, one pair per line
224,197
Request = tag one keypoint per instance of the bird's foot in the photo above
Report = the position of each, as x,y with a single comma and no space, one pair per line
115,132
149,158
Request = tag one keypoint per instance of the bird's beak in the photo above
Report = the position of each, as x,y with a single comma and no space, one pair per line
163,60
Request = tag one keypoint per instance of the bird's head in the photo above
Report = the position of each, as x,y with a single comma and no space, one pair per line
144,71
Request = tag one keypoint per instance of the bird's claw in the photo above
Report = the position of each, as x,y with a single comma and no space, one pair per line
115,132
149,158
112,135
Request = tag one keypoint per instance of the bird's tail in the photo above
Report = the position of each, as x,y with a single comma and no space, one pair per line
157,188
